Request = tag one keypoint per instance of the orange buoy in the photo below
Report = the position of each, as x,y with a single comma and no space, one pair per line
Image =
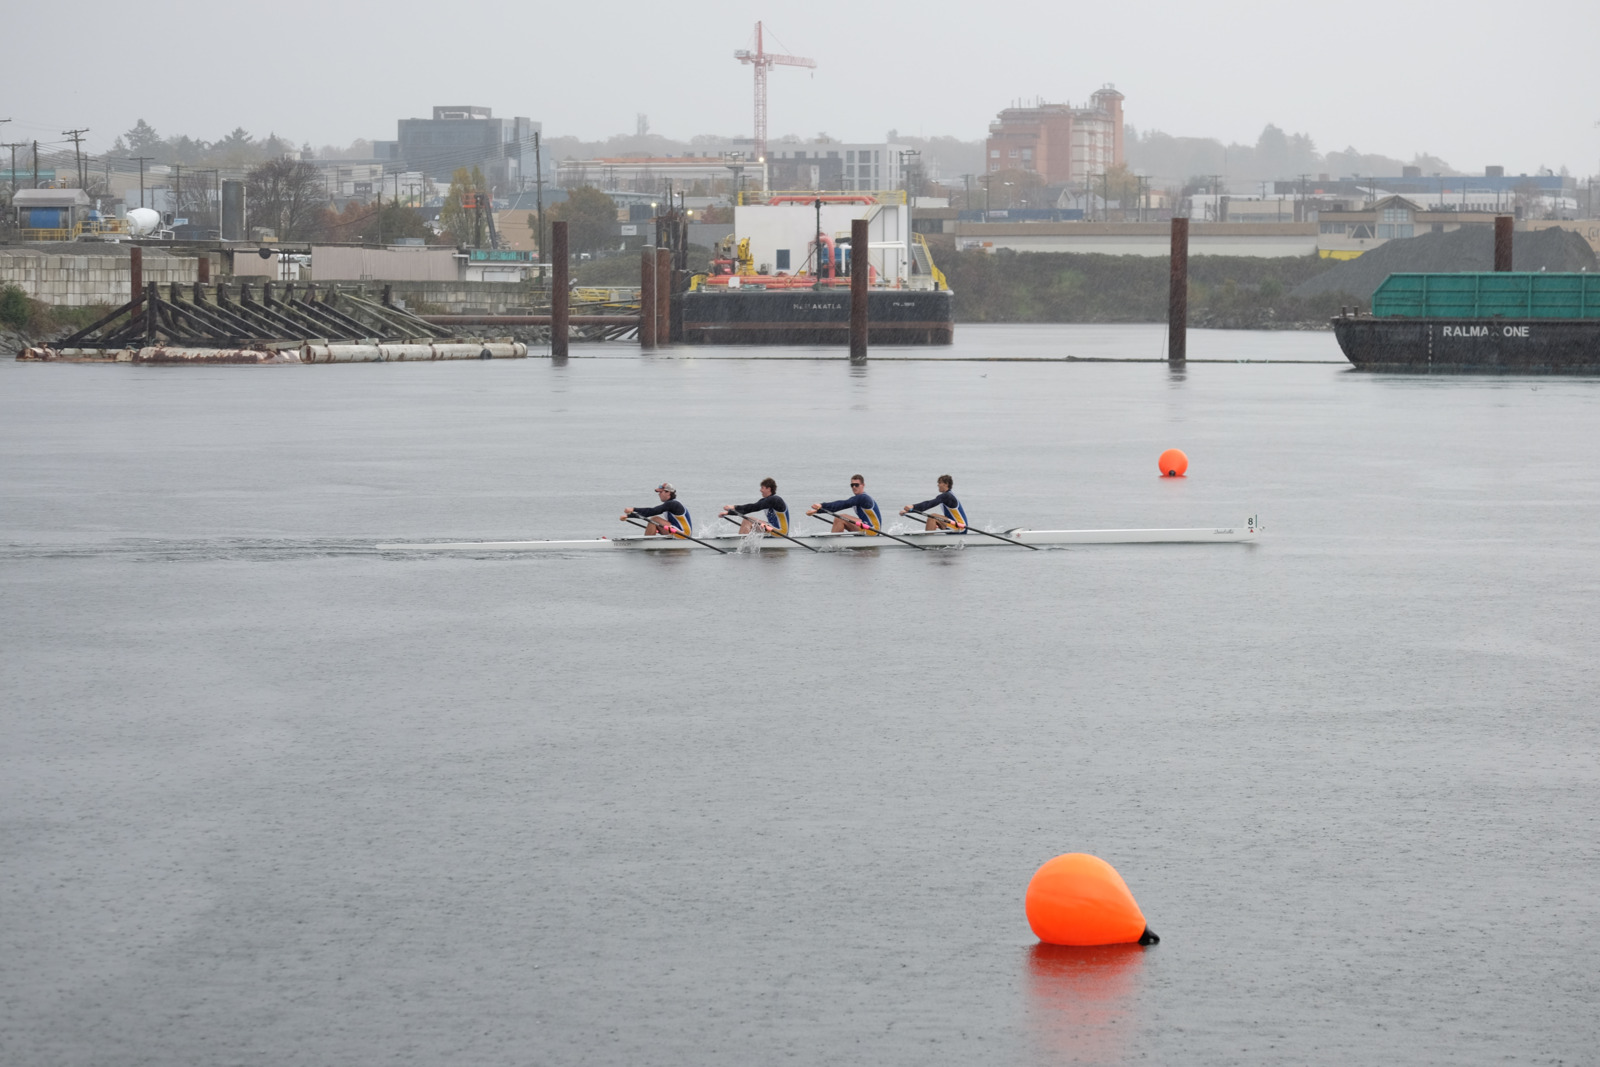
1078,899
1173,463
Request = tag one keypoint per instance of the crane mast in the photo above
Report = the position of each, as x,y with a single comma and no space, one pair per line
763,61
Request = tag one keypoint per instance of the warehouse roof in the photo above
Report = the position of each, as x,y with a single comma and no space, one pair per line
51,198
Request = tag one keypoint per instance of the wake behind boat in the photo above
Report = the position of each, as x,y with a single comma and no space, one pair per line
1245,531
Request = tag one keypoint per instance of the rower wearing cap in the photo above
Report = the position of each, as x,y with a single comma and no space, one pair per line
868,518
955,517
670,517
770,502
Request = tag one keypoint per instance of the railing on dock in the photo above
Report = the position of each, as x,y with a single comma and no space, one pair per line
90,228
836,196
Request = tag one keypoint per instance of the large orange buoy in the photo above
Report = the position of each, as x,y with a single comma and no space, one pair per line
1173,463
1078,899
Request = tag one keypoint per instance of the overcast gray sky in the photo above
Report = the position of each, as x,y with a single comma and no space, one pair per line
1471,81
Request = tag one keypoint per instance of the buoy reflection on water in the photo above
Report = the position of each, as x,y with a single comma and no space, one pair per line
1082,1002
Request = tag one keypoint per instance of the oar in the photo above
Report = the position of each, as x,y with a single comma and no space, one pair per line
775,533
878,533
941,520
682,536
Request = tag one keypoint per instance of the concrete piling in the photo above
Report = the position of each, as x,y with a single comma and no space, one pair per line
559,290
1178,294
859,269
1502,242
647,297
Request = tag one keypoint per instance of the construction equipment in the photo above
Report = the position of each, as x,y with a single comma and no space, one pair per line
764,61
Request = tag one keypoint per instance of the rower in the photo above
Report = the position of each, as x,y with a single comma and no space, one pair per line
770,502
955,518
868,515
669,518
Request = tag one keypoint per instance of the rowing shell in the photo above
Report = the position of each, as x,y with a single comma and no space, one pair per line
936,539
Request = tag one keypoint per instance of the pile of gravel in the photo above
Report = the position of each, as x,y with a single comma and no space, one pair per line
1467,249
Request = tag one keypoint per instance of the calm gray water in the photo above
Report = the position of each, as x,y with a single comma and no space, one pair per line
270,797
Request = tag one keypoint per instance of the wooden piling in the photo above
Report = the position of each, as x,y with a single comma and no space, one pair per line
647,297
859,269
1502,242
136,266
663,296
204,275
1178,294
559,290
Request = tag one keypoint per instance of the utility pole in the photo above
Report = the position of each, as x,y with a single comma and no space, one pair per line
207,197
1216,197
36,164
141,160
816,280
14,145
76,136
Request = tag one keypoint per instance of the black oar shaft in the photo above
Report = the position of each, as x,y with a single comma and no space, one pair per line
683,537
875,532
972,529
737,519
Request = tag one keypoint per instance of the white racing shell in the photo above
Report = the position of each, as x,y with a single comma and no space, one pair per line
1245,531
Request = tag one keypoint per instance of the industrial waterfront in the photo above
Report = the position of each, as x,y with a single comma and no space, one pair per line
486,537
275,797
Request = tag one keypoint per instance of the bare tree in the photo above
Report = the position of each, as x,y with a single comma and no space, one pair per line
285,194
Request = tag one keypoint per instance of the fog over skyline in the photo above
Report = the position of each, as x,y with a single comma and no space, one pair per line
1470,83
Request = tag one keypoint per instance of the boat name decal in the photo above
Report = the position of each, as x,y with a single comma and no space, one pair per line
801,305
1484,331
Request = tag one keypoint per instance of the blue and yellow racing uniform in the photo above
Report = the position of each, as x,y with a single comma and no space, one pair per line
672,514
866,509
952,508
777,511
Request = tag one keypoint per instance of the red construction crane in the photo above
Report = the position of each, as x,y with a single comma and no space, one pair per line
764,61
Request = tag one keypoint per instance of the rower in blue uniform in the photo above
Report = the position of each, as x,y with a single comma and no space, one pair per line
770,502
955,517
869,517
670,517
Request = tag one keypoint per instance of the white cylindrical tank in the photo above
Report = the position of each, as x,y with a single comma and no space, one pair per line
143,220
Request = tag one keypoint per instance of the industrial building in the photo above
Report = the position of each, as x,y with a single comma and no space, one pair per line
1061,143
832,165
723,168
1264,240
1389,218
464,136
715,172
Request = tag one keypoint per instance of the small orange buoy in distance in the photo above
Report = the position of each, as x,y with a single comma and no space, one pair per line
1174,463
1078,899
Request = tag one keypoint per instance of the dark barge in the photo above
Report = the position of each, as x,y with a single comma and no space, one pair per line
1478,323
795,316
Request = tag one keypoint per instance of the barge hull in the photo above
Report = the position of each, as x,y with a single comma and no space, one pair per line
1470,345
810,317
